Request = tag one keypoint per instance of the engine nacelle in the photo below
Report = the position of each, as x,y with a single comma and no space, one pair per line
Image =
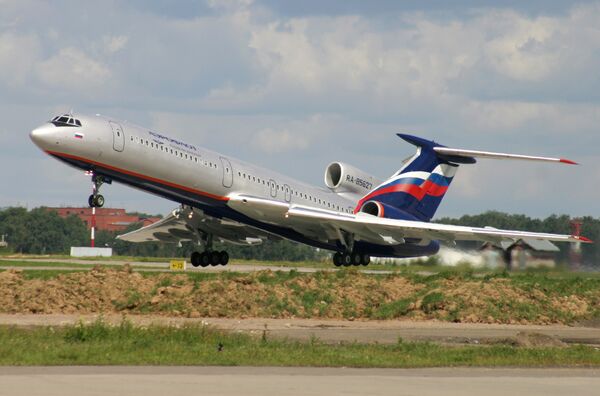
379,209
344,178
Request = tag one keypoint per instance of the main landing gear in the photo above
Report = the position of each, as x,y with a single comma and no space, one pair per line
96,200
209,256
347,259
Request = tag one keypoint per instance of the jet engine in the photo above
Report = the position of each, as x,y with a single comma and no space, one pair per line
379,209
343,178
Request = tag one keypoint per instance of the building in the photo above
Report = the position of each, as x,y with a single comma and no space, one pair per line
524,253
108,219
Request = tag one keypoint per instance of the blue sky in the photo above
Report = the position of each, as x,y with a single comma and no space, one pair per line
296,85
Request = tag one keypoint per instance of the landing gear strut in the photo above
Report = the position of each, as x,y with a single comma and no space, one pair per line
347,259
96,200
209,256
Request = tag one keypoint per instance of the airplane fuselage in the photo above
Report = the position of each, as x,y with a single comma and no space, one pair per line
191,175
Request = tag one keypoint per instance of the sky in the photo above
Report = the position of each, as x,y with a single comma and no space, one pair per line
295,85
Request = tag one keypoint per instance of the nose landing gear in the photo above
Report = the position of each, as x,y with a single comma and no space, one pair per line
96,200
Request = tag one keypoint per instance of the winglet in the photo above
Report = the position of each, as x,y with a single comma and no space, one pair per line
583,239
567,161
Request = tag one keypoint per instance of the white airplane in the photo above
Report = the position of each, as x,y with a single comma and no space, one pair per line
357,216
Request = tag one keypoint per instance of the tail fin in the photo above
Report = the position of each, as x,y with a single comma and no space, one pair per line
417,189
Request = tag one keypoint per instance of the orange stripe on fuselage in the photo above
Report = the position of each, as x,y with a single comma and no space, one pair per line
131,173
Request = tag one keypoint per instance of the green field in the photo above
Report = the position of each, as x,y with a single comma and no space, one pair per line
125,344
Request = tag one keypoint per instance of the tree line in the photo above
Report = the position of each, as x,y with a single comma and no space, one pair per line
42,231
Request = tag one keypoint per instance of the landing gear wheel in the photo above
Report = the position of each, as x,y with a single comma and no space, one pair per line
337,259
91,201
223,257
365,259
356,259
214,258
195,259
346,260
204,259
99,201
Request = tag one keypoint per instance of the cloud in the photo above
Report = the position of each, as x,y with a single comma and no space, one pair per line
71,69
272,141
18,53
114,44
267,82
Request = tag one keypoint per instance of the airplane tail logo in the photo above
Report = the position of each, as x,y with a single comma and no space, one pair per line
418,188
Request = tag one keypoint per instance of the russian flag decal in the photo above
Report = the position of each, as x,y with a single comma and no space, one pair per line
78,135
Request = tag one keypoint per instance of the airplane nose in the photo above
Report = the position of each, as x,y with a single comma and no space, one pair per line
44,136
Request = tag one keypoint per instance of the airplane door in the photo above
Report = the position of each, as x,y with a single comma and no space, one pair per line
227,172
288,193
273,188
118,136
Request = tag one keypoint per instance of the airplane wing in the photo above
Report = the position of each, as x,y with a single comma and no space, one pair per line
319,224
325,225
376,229
185,224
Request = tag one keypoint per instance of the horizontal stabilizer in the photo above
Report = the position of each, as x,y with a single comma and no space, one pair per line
447,151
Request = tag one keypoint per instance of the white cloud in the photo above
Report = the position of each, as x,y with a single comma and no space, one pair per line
113,44
524,49
258,85
18,53
277,141
72,69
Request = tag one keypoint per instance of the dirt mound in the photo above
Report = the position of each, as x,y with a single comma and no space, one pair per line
267,294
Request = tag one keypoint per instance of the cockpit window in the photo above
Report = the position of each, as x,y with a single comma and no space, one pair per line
66,120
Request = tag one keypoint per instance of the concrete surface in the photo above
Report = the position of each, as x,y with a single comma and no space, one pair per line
163,266
267,381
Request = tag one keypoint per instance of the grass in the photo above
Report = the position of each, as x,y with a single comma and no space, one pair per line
125,344
66,256
21,263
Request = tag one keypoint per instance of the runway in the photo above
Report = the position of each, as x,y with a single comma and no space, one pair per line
157,266
276,381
